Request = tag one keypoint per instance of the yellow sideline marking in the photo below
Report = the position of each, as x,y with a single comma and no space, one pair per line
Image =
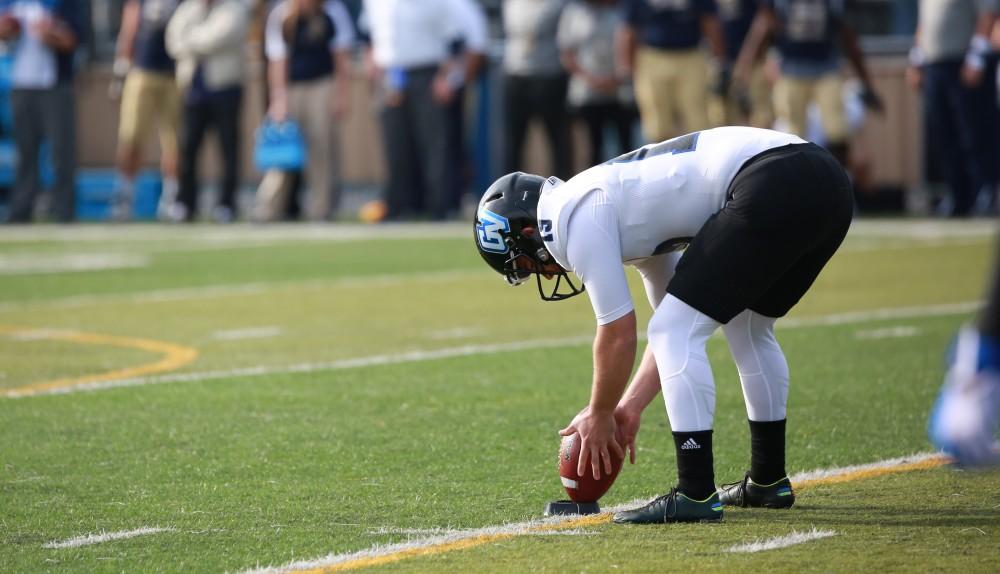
864,473
174,357
593,520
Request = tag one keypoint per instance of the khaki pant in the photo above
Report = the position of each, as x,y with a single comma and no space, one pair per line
146,98
725,111
792,97
671,85
310,104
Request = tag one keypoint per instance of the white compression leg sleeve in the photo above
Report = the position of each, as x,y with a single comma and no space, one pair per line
761,363
678,334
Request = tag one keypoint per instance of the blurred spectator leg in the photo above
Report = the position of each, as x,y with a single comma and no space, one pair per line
518,112
60,131
761,101
691,77
197,117
25,107
310,105
555,116
944,116
986,139
227,121
654,94
458,164
399,151
829,95
136,105
791,102
272,196
594,116
625,116
431,128
170,121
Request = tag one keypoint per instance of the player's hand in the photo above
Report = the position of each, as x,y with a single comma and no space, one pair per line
723,80
871,100
442,90
278,110
628,421
603,84
971,75
597,440
915,77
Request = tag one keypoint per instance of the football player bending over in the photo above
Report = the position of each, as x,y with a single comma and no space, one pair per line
759,212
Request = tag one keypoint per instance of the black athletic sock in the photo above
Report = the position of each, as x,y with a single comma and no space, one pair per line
695,470
767,451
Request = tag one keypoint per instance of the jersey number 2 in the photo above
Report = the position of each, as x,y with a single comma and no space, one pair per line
683,144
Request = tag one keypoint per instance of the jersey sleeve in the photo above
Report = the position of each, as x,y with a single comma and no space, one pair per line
567,36
345,37
706,7
632,12
275,47
984,6
593,249
474,26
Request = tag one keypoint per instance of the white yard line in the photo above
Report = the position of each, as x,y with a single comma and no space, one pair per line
55,263
484,349
449,540
354,363
217,291
247,333
894,332
782,541
89,539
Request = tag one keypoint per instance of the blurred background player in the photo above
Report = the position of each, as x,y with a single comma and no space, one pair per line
597,95
660,46
206,38
809,35
308,45
44,35
750,105
410,61
149,95
535,82
952,63
965,418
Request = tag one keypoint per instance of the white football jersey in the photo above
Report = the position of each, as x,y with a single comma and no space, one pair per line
642,204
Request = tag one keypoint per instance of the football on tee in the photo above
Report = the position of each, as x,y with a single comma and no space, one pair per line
583,488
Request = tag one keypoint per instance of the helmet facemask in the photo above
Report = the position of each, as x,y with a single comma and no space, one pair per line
531,249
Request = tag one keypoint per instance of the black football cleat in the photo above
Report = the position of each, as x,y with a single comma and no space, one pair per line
673,507
747,493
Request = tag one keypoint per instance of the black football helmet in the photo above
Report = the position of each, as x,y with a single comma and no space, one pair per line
506,233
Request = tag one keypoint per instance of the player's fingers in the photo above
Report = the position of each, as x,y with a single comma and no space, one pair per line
595,462
567,431
606,457
581,463
617,449
631,452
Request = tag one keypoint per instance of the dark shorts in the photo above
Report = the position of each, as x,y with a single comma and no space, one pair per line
789,209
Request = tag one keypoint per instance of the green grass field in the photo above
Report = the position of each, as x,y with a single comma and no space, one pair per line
267,395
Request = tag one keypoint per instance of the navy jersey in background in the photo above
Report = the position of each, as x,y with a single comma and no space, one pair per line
668,24
150,40
808,37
